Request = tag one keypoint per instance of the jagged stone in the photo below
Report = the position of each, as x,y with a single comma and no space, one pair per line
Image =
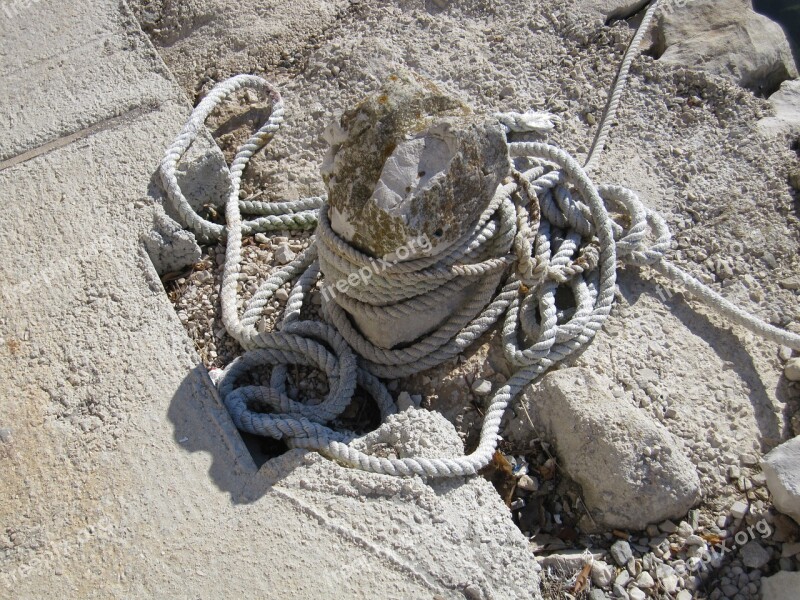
782,469
411,161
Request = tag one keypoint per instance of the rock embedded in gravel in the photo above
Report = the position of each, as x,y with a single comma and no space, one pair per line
739,509
621,552
602,574
782,469
635,593
482,387
284,255
754,555
792,369
632,470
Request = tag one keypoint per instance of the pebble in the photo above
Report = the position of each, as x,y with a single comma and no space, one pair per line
482,387
527,483
684,595
261,238
619,592
602,574
596,594
636,594
645,581
738,510
281,295
284,254
748,460
621,552
668,527
695,540
754,555
792,369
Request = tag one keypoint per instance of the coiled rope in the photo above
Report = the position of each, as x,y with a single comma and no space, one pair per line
550,227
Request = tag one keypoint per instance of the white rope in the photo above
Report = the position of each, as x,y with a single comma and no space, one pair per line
549,227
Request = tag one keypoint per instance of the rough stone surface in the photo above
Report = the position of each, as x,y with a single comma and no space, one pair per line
781,586
413,432
786,120
411,168
782,468
621,552
411,161
632,471
792,369
170,247
726,37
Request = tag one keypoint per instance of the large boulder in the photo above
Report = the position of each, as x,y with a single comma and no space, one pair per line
633,472
725,37
782,469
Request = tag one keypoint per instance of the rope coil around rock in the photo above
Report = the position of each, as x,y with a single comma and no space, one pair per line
550,227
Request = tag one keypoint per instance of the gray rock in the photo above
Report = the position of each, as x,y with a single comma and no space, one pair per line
621,552
792,369
482,387
754,555
645,580
408,172
635,593
602,574
169,246
411,161
609,448
782,468
284,254
597,595
781,586
725,37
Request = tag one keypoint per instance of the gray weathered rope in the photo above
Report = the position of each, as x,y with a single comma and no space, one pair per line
550,226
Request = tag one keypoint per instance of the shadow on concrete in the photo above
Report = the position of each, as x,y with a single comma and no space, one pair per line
201,424
727,346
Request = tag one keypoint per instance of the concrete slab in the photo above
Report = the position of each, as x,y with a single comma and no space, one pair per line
122,474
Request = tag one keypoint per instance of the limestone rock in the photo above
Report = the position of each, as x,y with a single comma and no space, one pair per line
631,469
781,586
725,37
782,468
792,369
169,246
411,168
411,161
413,432
786,104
